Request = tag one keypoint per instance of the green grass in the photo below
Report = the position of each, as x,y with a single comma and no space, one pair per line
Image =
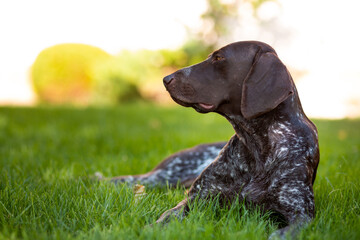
47,155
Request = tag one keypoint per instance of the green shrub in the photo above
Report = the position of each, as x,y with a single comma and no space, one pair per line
62,73
115,80
128,76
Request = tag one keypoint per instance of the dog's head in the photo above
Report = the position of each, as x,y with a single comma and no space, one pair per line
243,77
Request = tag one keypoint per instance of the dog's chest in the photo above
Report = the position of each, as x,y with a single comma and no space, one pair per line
274,148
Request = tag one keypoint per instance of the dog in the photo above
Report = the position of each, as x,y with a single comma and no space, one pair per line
271,160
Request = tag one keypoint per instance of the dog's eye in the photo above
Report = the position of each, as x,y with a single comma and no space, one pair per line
218,58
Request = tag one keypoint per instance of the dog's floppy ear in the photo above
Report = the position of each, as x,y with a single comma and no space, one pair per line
267,85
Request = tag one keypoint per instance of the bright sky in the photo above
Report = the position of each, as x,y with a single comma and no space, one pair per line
321,38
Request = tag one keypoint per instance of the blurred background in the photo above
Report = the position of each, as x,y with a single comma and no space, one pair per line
111,52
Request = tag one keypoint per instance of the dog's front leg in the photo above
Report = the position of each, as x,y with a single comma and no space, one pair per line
178,212
295,201
292,230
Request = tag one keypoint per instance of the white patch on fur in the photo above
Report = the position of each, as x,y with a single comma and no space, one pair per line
201,167
243,167
274,182
153,177
281,152
186,71
214,150
209,156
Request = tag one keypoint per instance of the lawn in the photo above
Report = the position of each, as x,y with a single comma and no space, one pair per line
47,157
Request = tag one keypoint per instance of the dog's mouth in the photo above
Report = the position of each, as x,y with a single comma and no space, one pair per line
203,107
206,106
199,107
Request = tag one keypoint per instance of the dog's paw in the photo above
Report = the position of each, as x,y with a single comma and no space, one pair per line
99,176
279,234
177,212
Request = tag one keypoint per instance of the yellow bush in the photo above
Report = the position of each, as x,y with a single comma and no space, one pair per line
62,73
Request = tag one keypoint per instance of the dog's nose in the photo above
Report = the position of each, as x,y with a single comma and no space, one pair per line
167,80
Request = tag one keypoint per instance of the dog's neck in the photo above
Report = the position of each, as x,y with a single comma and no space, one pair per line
254,132
251,133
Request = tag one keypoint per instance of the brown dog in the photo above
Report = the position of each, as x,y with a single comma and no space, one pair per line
271,160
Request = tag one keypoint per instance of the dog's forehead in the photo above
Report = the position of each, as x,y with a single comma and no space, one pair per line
239,49
246,47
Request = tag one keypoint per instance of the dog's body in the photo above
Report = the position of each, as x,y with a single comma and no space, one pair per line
271,160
